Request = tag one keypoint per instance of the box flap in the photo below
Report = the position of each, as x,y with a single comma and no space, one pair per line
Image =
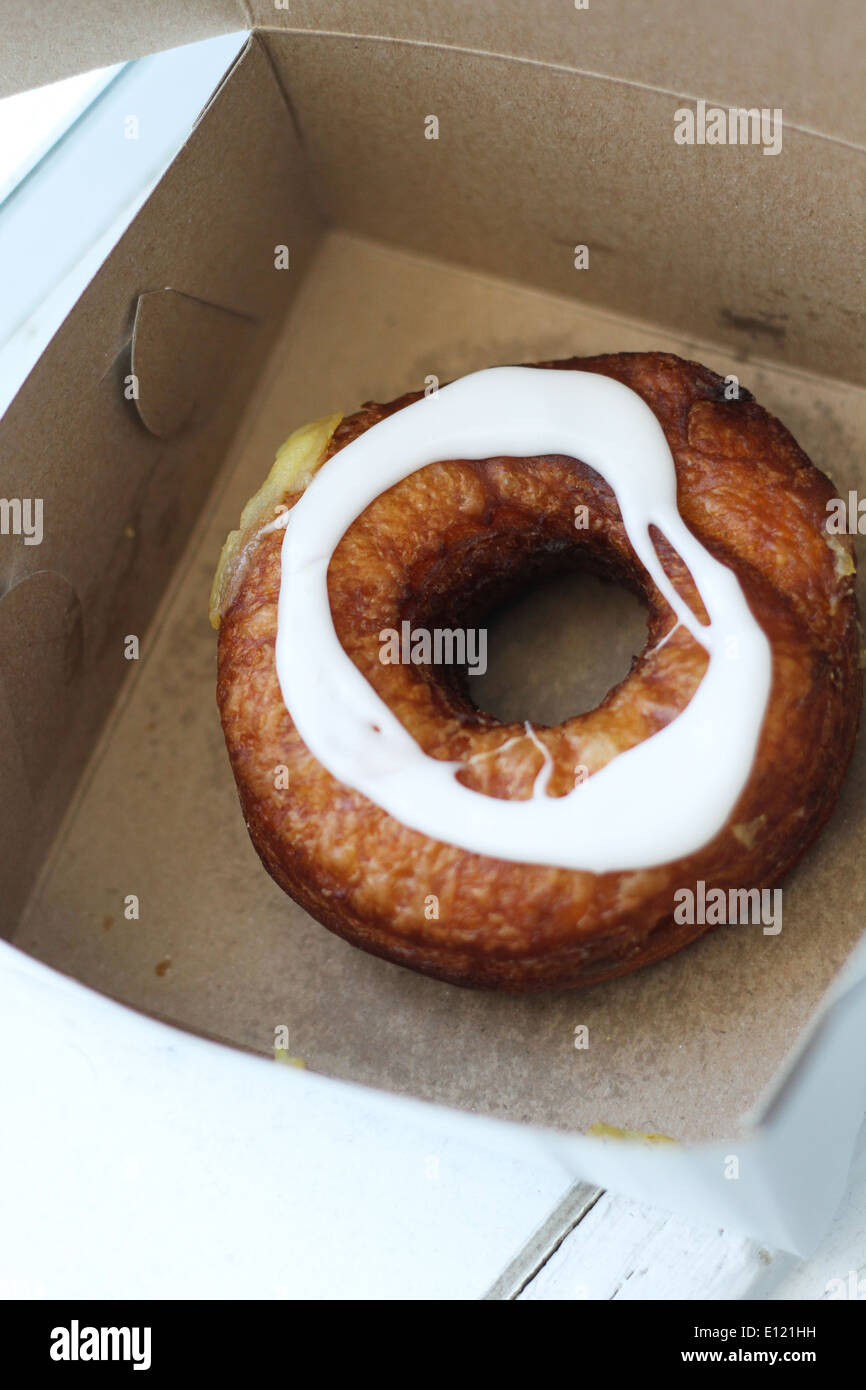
182,354
119,465
803,57
41,47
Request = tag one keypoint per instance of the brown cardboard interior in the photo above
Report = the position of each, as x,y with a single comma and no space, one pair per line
220,949
121,437
722,243
182,356
795,54
217,947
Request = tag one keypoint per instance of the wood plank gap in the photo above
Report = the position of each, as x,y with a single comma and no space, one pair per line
544,1242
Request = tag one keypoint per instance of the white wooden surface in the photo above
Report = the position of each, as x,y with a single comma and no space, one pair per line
625,1251
138,1162
620,1249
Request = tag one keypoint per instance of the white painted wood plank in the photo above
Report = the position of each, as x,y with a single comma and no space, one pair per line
621,1249
627,1251
574,1206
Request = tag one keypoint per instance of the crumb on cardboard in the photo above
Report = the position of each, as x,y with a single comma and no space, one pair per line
600,1130
282,1055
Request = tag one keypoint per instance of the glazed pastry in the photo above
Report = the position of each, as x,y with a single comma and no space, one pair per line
501,855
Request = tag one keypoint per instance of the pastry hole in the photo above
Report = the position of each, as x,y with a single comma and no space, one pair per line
556,651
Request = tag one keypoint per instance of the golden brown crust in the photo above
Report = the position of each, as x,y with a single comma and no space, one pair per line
440,548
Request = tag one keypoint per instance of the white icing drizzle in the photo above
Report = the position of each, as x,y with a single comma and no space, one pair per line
542,777
663,799
279,523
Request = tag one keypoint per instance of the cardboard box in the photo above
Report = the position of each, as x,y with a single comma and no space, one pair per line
411,256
